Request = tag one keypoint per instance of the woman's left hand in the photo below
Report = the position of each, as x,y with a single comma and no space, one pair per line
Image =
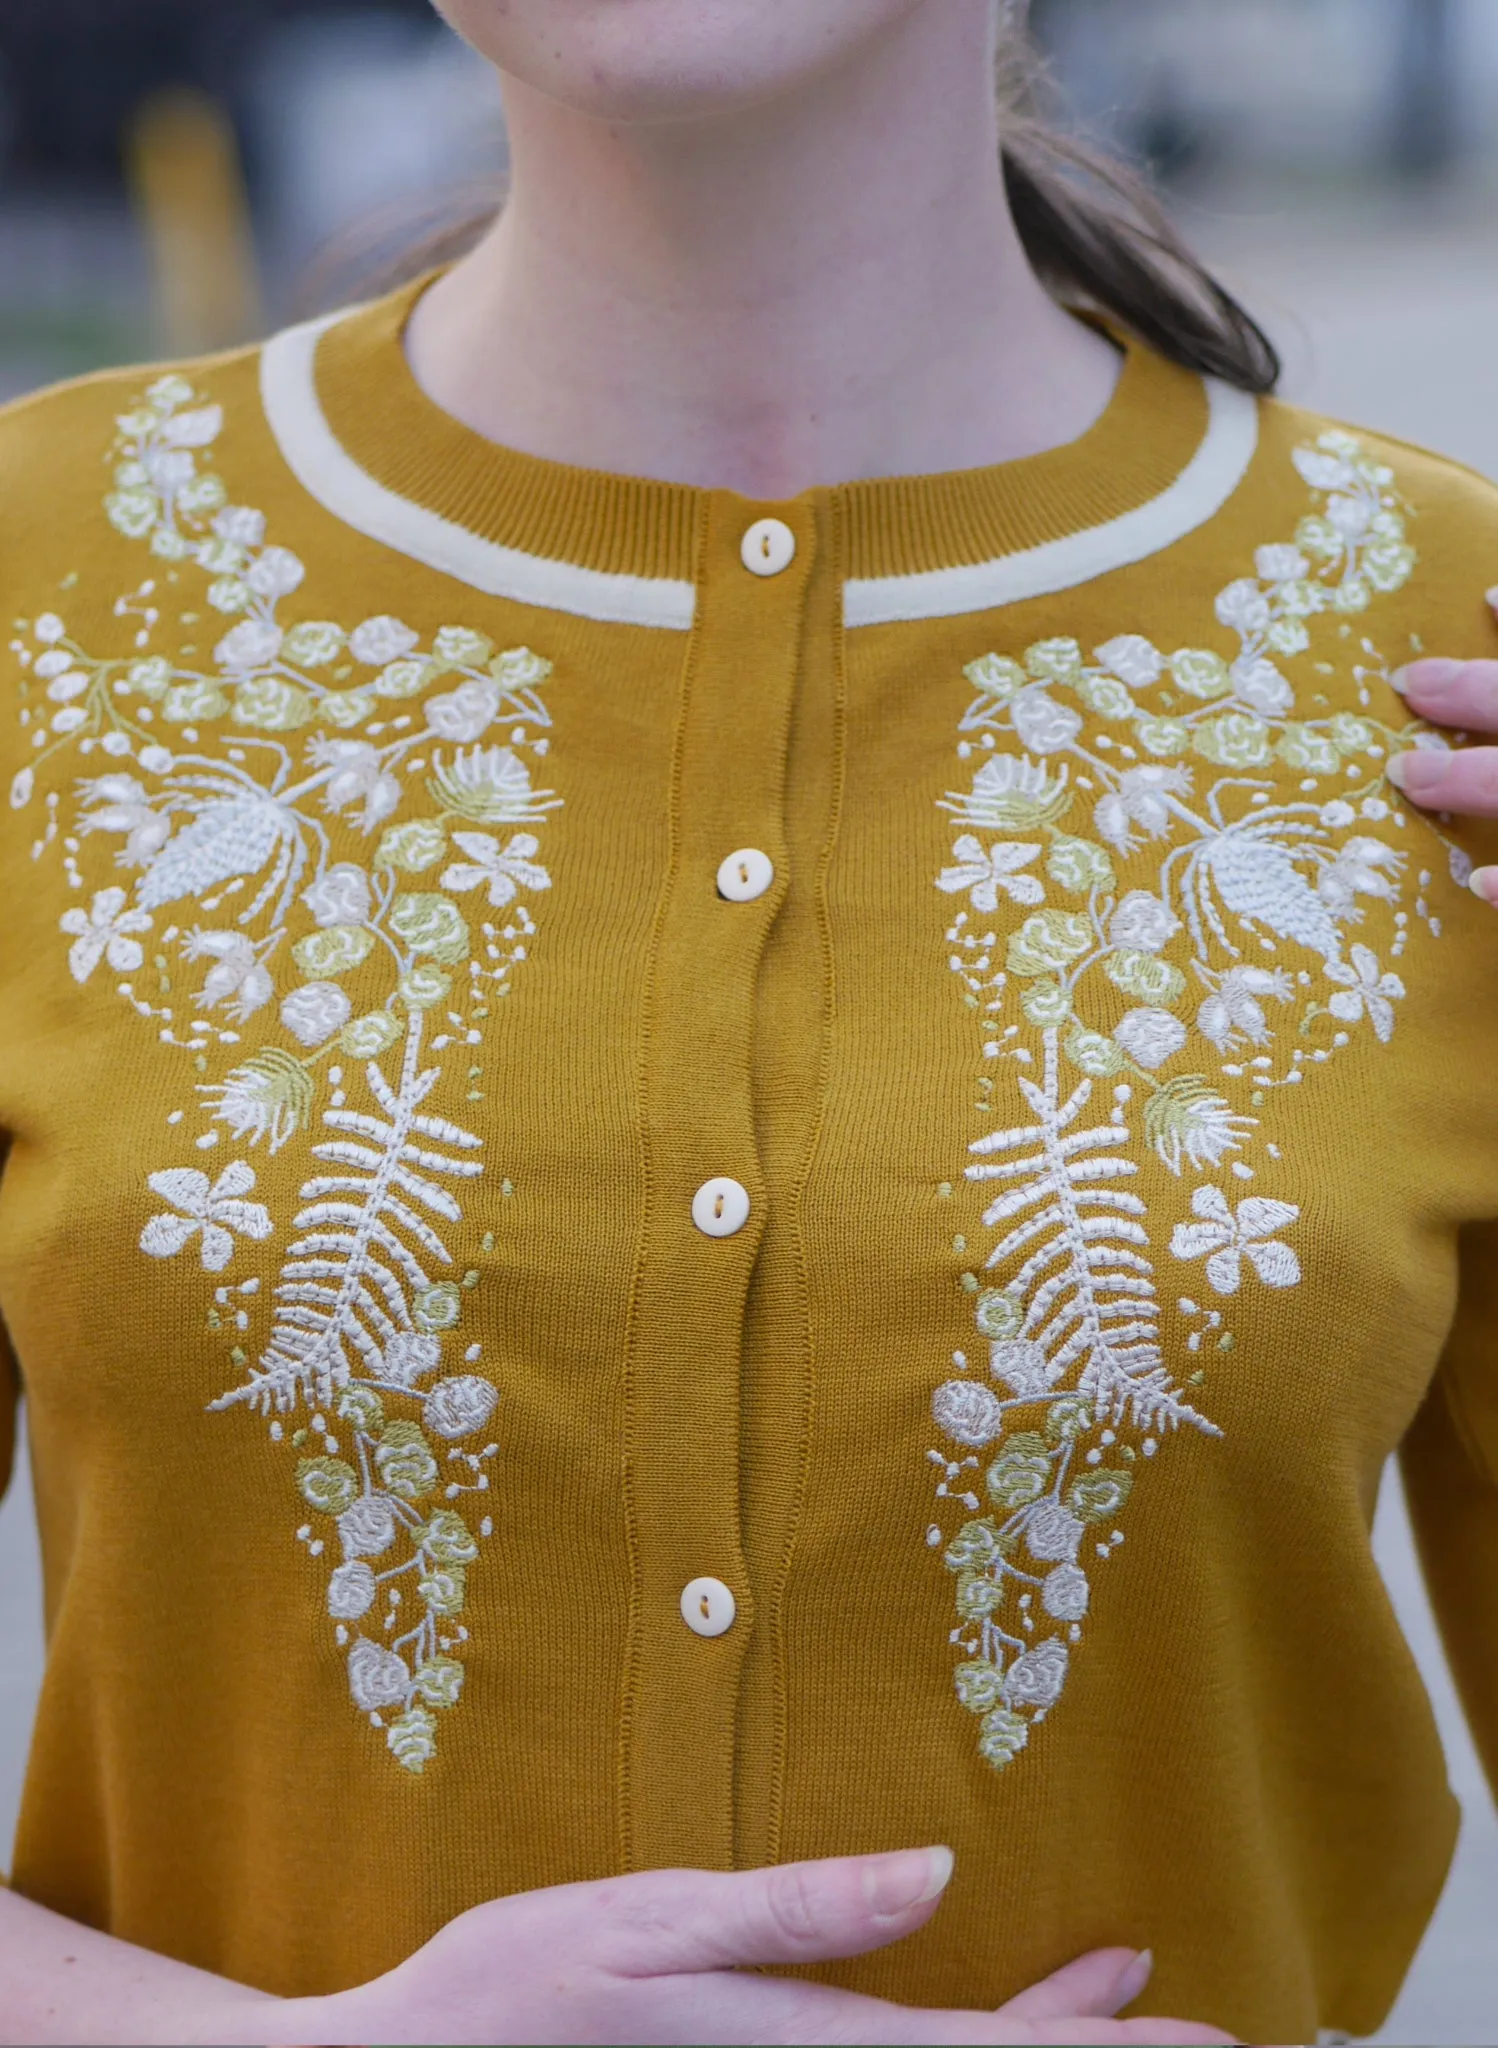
1463,695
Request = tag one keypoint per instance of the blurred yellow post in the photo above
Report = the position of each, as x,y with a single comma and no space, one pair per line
189,186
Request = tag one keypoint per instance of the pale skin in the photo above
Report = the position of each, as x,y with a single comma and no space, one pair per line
764,246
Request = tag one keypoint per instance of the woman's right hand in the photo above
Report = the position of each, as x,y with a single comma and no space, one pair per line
672,1956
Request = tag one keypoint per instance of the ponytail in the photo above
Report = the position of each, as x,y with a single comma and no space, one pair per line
1100,240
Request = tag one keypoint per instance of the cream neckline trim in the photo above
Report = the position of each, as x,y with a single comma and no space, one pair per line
1197,495
326,470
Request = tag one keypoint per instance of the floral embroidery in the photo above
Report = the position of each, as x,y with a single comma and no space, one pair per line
1228,1240
1242,940
217,1211
225,783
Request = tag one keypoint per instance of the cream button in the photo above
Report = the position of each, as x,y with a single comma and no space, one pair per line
745,875
769,546
707,1607
720,1208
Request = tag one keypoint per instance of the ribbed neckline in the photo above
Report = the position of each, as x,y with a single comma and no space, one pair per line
635,526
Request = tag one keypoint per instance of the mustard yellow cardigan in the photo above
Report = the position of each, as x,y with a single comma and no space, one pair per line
693,1182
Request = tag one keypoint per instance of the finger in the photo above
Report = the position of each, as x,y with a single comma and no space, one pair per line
1094,1986
1438,780
770,2010
1457,693
669,1921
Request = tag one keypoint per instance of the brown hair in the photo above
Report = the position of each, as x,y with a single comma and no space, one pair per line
1100,239
1092,226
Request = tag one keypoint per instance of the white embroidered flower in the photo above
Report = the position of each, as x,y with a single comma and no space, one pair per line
1143,923
465,713
1052,1533
1324,471
1020,1363
377,1677
367,1528
457,1407
276,574
378,642
357,777
1043,725
196,429
1150,1036
1259,684
252,645
313,1014
236,975
118,803
993,872
23,782
503,870
1363,867
240,526
1244,607
49,629
1036,1679
217,1210
1235,1009
1142,798
1064,1593
340,895
409,1354
1367,991
968,1412
351,1591
1281,564
1226,1241
1134,660
105,931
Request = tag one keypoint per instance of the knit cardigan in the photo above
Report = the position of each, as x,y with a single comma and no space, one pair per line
693,1182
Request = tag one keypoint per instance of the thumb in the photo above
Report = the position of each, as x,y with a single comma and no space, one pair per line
688,1921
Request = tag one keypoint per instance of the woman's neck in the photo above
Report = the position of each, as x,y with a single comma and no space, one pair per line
815,290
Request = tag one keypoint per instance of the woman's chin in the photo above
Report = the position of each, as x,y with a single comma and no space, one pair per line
644,61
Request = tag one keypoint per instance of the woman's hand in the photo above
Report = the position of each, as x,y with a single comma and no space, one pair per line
672,1956
1464,695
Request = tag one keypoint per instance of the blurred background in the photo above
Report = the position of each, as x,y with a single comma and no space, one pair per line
177,176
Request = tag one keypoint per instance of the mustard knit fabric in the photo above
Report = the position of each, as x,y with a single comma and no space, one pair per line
1111,1064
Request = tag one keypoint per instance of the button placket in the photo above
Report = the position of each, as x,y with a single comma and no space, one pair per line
703,1224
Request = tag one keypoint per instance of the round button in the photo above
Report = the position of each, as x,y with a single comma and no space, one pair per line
707,1607
745,875
769,546
720,1208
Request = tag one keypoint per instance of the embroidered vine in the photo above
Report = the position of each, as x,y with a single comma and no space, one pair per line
300,820
1242,944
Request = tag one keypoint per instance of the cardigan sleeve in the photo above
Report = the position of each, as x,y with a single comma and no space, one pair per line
1450,1465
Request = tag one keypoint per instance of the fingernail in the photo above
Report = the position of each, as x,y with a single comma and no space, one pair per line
1484,885
1434,676
1135,1977
1493,597
896,1885
1419,773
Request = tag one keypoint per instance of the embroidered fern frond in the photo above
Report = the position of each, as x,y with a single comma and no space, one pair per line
351,1291
1088,1284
